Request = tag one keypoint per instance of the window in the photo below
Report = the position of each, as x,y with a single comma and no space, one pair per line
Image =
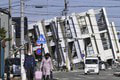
91,61
74,53
62,25
48,29
90,50
101,21
105,41
82,24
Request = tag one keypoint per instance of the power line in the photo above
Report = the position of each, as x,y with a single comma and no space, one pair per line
100,0
6,7
55,13
40,13
77,24
108,6
15,2
112,6
36,12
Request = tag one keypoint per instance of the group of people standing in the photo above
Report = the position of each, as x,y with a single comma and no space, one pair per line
44,65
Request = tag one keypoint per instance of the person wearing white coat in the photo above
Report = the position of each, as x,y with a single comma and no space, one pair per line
46,66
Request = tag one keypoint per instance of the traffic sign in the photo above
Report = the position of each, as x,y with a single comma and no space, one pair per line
39,51
41,40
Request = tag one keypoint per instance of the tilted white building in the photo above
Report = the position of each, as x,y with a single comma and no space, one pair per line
88,34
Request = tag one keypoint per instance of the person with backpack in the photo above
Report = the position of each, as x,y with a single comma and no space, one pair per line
29,65
46,66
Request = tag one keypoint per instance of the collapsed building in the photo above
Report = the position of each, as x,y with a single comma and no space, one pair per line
70,39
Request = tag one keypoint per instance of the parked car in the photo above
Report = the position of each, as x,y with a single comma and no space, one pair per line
13,66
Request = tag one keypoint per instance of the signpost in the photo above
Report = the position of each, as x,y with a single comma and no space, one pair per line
39,48
41,40
39,51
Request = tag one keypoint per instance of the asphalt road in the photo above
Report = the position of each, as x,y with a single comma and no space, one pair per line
79,75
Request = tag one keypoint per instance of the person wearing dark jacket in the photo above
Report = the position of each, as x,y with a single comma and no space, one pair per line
29,65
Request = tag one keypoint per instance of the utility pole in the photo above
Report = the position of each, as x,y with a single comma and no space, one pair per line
10,27
66,42
57,46
23,77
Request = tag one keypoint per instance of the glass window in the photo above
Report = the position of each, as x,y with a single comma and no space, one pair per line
91,61
101,21
74,53
105,41
90,50
83,25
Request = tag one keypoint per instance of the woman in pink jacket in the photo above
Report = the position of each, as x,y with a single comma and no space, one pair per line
46,66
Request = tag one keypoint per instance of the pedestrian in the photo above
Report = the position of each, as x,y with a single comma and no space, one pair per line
29,65
46,66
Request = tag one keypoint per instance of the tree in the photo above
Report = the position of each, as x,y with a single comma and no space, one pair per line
3,38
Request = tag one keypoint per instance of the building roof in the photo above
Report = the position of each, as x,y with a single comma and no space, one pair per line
4,11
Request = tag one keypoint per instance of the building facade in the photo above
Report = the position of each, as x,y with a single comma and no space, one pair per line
80,35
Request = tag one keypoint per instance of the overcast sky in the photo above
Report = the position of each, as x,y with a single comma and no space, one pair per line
52,8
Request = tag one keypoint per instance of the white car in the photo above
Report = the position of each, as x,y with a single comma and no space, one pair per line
91,65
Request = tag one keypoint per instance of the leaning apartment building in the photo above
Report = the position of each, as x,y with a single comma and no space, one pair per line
85,34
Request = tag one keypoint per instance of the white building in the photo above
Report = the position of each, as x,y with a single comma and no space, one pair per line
88,34
95,34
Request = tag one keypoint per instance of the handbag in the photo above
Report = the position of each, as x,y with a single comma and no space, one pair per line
38,75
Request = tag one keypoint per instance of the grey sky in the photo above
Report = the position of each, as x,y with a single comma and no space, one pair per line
55,8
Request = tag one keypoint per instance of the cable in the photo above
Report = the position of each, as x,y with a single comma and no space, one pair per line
112,6
17,5
36,14
98,0
15,2
5,4
52,13
95,28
